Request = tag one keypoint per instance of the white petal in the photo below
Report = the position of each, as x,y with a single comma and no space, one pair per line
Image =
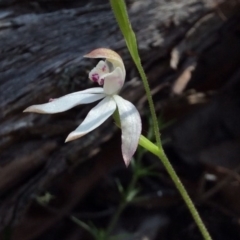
113,81
68,101
92,90
131,127
95,118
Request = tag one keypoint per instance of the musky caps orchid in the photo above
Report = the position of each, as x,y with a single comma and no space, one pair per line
111,74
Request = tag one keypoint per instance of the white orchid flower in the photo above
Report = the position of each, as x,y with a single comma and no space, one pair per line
111,74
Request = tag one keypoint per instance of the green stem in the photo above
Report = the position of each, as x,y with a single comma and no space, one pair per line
150,102
159,152
120,11
115,218
184,194
122,205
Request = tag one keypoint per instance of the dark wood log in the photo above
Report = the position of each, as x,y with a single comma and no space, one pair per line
41,58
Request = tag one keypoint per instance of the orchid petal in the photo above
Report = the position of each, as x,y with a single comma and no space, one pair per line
110,55
131,127
68,101
92,90
113,81
95,118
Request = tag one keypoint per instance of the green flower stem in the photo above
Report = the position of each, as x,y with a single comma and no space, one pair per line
120,11
147,144
124,202
115,218
82,225
150,102
159,152
184,194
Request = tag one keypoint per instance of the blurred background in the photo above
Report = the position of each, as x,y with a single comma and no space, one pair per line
190,50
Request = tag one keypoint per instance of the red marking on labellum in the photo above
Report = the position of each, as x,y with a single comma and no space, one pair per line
95,77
